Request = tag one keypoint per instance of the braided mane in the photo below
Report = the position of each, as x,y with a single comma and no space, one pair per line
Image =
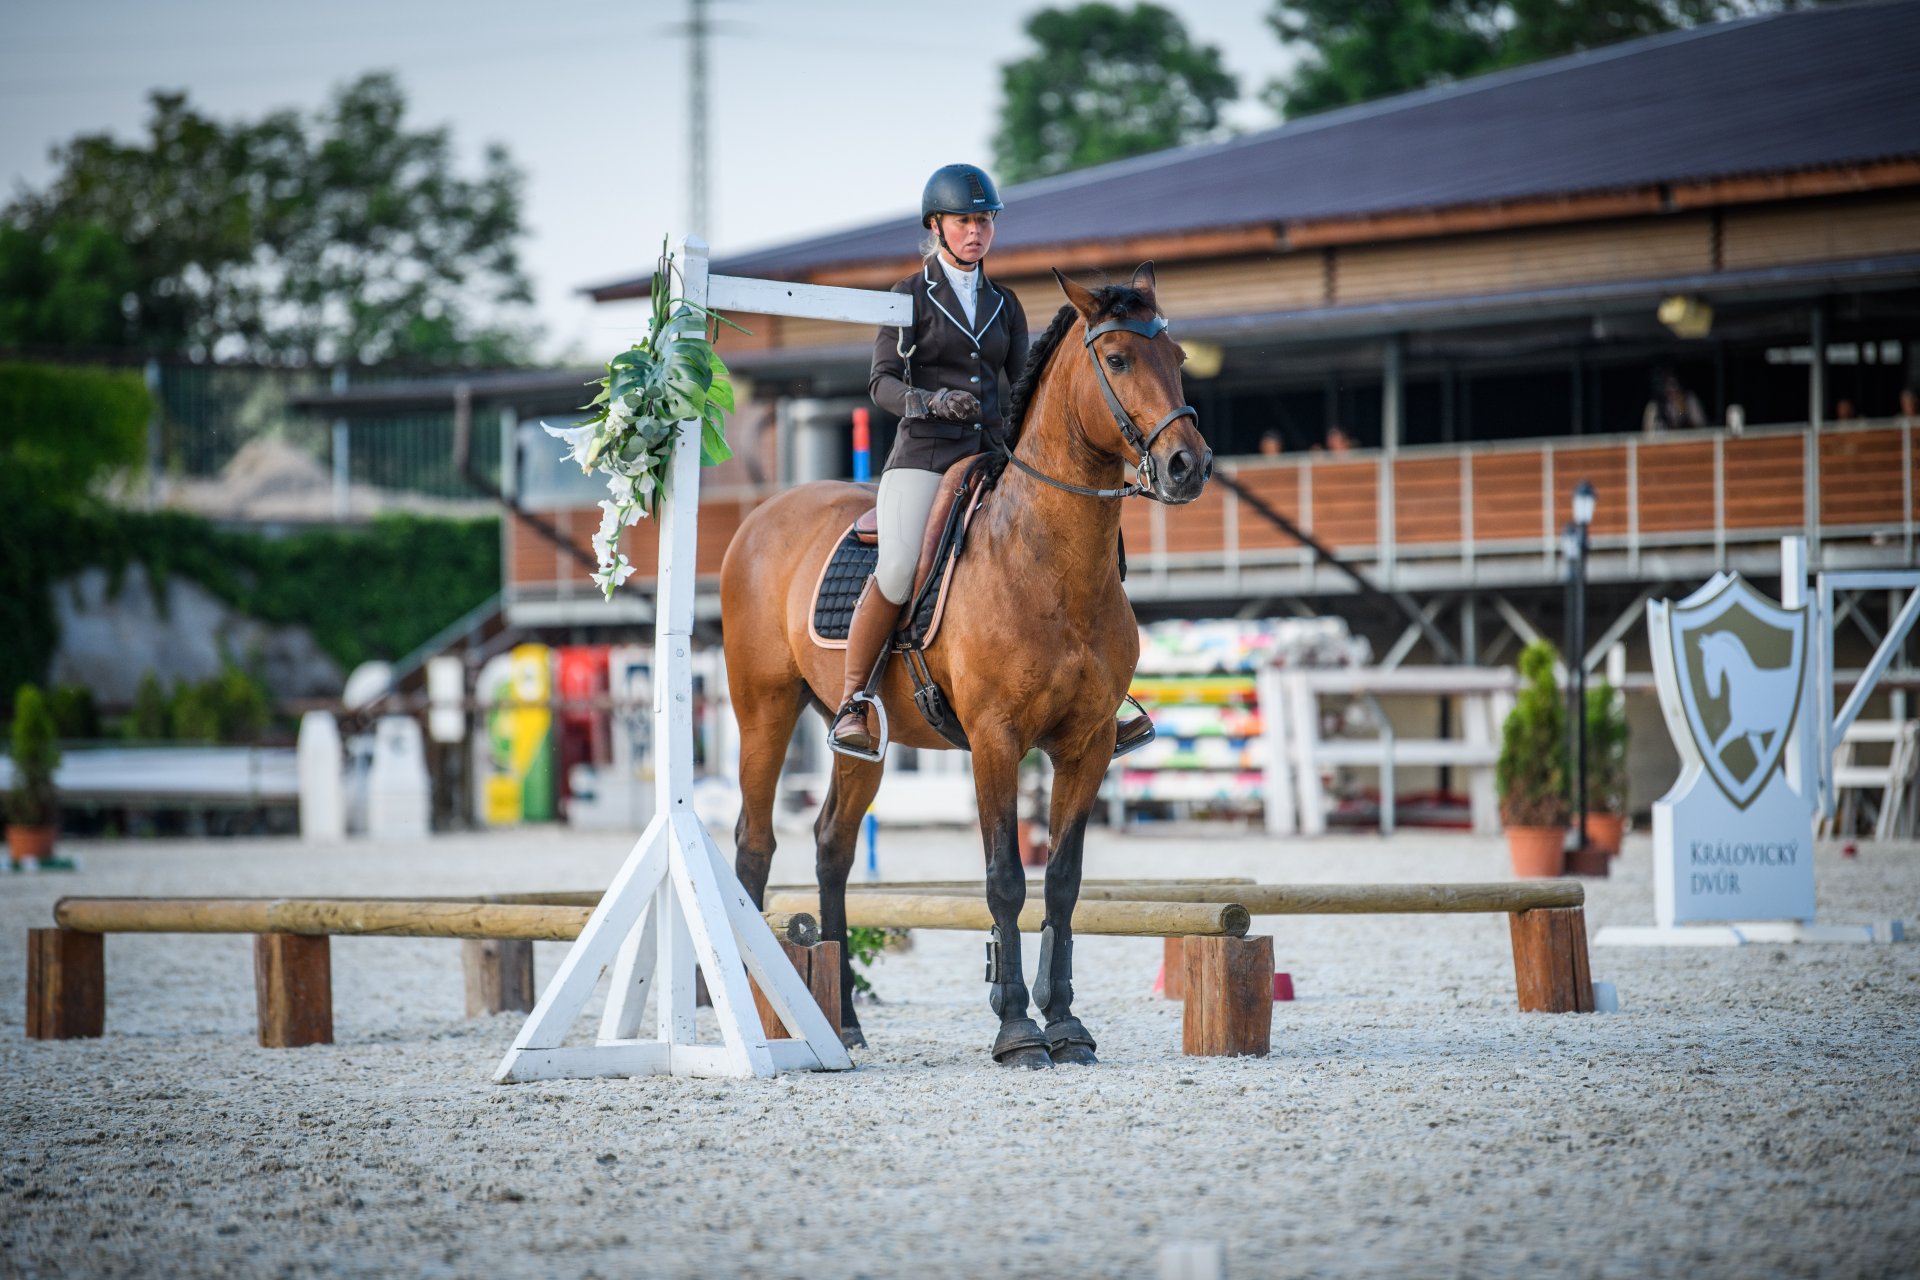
1110,302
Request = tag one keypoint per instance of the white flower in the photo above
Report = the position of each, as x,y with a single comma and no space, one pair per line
607,538
619,416
579,440
613,575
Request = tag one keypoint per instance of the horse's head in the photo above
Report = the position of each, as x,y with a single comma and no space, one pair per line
1131,400
1713,660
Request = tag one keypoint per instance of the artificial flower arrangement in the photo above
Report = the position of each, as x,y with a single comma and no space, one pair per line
672,375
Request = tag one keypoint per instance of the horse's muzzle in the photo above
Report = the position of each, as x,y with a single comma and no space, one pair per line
1182,474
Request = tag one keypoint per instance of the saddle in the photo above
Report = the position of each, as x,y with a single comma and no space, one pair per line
961,494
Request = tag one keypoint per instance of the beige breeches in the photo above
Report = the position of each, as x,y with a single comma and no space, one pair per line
906,497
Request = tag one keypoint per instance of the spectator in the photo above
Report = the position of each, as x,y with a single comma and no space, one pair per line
1844,411
1271,444
1673,408
1338,441
1909,406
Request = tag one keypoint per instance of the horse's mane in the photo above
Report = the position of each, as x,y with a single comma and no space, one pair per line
1110,301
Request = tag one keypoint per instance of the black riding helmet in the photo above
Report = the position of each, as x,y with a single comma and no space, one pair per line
958,188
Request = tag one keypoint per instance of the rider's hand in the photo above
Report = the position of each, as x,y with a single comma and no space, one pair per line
954,406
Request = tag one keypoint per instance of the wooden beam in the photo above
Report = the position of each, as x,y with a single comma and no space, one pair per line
293,990
1324,899
1229,997
1085,255
66,985
952,911
499,974
1173,968
1550,961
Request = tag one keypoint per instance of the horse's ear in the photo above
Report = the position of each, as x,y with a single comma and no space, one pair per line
1080,296
1143,278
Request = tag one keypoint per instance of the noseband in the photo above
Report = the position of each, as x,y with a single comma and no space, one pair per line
1142,444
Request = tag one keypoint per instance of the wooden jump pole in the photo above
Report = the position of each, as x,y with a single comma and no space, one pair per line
946,911
1337,899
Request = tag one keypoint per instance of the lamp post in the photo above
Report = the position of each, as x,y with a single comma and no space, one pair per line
1575,546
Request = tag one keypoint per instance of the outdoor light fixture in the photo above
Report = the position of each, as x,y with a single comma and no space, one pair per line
1203,359
1581,859
1687,316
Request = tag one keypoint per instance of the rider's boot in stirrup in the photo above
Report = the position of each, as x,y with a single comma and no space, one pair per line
1134,732
868,635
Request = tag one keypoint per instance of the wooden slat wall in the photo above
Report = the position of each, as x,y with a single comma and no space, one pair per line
1676,486
1506,496
1426,500
1860,479
1277,485
1605,468
1199,525
1524,259
1764,477
1820,231
1346,503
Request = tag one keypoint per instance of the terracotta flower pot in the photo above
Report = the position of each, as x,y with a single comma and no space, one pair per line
30,843
1537,851
1605,830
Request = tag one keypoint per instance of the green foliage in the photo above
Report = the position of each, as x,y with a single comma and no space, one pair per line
229,707
1531,773
63,426
864,946
33,802
1356,52
344,237
1105,83
74,715
151,720
1606,750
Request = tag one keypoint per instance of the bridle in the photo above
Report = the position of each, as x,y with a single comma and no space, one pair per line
1129,429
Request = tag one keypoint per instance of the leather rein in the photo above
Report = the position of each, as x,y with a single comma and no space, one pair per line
1142,442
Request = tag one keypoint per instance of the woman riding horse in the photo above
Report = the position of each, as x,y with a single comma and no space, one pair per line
942,380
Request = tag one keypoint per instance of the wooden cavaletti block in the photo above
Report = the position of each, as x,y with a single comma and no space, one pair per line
819,967
1229,997
66,984
499,973
293,989
1550,960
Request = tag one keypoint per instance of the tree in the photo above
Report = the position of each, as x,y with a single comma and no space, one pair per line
1357,52
1105,84
347,237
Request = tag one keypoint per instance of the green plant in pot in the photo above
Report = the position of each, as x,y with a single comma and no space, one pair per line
1606,767
1531,773
33,806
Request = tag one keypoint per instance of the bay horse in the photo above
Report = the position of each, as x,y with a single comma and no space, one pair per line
1036,648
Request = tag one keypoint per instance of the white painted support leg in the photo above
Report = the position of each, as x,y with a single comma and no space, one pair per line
632,978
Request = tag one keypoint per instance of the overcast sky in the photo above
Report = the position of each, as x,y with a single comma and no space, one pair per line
825,113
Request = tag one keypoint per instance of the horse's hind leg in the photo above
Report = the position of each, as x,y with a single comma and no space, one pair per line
766,722
1076,784
836,840
1020,1042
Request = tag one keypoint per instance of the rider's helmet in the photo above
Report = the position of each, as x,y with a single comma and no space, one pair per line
958,188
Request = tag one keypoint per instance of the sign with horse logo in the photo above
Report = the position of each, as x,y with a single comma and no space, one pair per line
1733,839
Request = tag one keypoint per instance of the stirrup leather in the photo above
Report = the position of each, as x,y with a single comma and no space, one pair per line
879,712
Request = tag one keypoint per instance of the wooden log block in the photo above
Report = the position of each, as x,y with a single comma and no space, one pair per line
1229,997
939,911
293,990
66,984
1550,960
819,968
499,973
1173,968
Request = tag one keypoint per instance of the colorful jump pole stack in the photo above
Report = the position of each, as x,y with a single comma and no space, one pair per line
862,445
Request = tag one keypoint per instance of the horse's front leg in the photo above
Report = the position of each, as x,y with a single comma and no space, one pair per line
1020,1043
1076,784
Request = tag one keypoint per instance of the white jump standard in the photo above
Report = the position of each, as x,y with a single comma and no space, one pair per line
676,903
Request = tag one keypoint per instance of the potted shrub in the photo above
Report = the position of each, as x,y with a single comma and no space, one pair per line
1531,773
1606,768
33,811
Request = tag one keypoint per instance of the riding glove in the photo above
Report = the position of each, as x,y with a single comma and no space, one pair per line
954,406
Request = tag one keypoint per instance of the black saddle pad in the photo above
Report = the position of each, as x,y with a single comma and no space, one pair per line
847,574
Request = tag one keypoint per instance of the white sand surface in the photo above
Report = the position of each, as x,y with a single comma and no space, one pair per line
1749,1112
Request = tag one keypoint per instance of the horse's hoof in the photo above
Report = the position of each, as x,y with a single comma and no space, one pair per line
1030,1059
851,1038
1021,1044
1070,1043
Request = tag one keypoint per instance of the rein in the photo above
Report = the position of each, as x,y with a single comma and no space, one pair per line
1142,443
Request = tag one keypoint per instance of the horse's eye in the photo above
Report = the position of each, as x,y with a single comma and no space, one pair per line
1117,363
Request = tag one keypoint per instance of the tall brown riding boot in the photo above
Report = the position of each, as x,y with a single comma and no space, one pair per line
868,633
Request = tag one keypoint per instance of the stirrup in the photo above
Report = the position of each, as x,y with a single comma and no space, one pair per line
879,751
1122,746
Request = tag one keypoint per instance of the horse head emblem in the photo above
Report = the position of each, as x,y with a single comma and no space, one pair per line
1740,662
